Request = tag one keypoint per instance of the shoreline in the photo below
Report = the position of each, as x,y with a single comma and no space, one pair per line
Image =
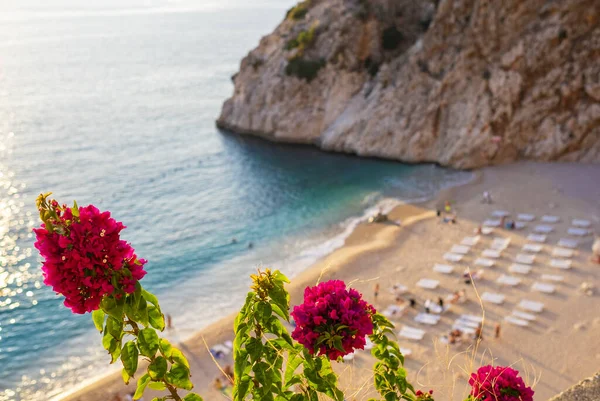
385,252
310,271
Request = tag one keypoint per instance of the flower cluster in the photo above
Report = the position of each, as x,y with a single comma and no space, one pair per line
421,396
499,383
332,320
84,257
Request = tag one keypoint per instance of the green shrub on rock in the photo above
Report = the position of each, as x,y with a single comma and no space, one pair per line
299,11
304,69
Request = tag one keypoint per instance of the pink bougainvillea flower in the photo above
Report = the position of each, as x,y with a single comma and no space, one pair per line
333,320
499,383
85,258
421,396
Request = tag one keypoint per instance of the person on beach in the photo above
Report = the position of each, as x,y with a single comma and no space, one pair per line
413,302
497,330
447,207
441,302
487,197
427,306
478,333
479,230
596,250
169,322
228,371
376,292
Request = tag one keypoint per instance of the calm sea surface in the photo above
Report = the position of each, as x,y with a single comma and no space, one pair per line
115,105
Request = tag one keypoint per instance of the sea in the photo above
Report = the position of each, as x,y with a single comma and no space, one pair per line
113,103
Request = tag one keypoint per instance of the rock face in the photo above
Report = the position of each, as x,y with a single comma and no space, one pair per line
586,390
464,83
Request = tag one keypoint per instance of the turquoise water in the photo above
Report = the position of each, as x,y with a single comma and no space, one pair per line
115,106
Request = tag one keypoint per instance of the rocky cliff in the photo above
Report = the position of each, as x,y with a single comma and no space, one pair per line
463,83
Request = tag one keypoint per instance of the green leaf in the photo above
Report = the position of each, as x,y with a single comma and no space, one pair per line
254,346
178,357
75,209
165,348
158,386
156,318
179,376
111,307
148,342
264,311
129,357
148,296
112,345
192,397
114,327
98,318
125,376
141,386
158,368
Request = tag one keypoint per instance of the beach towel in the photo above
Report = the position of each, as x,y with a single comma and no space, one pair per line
472,318
500,244
487,230
411,333
492,223
429,319
523,315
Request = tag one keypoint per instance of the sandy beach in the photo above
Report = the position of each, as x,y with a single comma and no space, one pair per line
553,352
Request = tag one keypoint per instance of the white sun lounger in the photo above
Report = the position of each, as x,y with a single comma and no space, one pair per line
398,289
552,277
470,241
464,329
500,244
406,351
523,315
487,230
493,298
452,257
412,333
462,249
466,323
519,268
220,348
545,229
491,253
508,280
500,213
560,263
484,262
568,243
536,237
534,248
428,283
393,311
492,223
348,357
525,259
581,223
445,269
519,225
562,252
472,318
542,287
516,321
525,217
580,232
429,319
531,306
550,219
